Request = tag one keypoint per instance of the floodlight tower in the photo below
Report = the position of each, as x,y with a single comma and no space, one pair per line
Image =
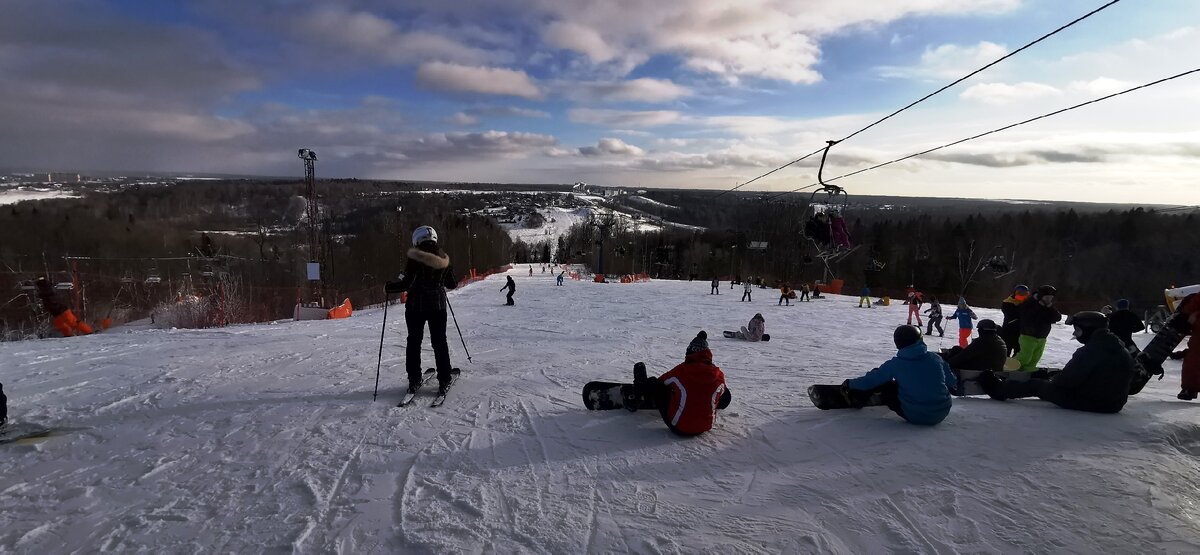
314,218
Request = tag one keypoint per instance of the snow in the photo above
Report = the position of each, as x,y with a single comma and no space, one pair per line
13,196
652,202
264,438
558,221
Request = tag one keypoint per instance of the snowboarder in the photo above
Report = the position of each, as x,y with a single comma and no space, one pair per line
755,330
1010,327
531,270
64,320
804,292
1036,315
688,396
426,278
559,280
785,295
864,296
915,384
964,314
1123,323
512,288
716,290
935,317
746,287
1096,379
914,306
986,351
1190,381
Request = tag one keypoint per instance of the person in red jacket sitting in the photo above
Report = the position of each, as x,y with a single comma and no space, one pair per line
689,395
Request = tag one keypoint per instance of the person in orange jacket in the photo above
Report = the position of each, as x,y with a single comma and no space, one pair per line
64,320
1191,360
688,396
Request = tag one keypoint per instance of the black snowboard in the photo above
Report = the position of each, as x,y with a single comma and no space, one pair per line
606,395
1149,362
829,397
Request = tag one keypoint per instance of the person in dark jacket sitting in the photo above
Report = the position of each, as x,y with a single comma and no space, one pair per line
915,384
1096,379
1123,323
986,352
425,278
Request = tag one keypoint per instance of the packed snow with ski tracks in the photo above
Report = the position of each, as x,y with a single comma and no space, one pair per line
264,438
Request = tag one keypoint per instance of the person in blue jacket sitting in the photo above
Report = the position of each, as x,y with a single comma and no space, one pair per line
916,384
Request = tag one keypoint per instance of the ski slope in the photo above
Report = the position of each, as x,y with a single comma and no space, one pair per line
264,438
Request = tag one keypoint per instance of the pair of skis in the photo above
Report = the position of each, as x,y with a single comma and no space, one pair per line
428,377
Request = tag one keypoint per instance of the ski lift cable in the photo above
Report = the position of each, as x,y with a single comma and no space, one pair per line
1012,125
928,96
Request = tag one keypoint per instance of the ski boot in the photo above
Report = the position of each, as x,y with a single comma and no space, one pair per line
1186,395
414,386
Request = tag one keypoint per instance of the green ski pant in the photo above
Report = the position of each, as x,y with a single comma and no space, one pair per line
1031,352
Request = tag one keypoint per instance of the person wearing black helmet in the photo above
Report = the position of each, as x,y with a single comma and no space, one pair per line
986,352
1036,316
1096,379
915,384
425,278
1010,327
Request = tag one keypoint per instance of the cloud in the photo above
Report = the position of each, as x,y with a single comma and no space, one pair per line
360,33
997,94
586,41
948,61
998,160
610,146
462,118
645,89
1100,86
505,111
624,118
472,79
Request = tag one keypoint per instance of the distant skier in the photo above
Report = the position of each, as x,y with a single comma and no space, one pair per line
3,407
864,296
747,287
426,278
1191,360
755,330
688,396
716,290
935,317
804,292
1123,323
1010,328
512,288
785,295
914,307
915,384
64,320
986,352
559,280
1096,379
1037,315
964,314
531,270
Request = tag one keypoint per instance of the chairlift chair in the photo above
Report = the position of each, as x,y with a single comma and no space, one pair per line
64,286
27,285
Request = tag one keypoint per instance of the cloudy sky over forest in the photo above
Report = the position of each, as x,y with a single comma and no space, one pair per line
687,93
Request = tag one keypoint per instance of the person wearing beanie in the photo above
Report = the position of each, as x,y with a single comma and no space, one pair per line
986,352
1096,379
964,315
426,278
689,395
1010,326
1036,315
1123,323
935,317
915,384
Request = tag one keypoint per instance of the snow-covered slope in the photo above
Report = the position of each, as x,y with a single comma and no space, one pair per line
264,438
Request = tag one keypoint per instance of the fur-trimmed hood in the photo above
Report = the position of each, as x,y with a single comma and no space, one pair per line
435,261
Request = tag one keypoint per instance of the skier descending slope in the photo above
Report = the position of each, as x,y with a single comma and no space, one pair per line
426,278
688,396
915,383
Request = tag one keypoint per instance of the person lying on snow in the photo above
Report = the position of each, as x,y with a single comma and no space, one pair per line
1096,379
688,396
986,352
915,384
753,331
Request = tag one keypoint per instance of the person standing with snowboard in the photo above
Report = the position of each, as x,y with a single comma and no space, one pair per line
785,295
688,396
1037,315
935,317
915,384
747,287
426,278
716,289
1010,327
512,288
804,292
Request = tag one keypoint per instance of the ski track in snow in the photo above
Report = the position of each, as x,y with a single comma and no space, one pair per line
264,438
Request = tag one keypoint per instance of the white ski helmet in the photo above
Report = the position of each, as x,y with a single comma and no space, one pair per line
423,233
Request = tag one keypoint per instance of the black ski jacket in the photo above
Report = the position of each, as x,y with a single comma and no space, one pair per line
1097,377
986,352
1036,319
1010,327
1123,324
426,277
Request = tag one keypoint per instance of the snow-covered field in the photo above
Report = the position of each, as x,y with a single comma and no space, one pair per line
264,438
13,196
558,221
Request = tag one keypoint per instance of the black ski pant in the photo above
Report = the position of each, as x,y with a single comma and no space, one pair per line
3,405
508,301
931,323
416,320
804,295
1047,391
746,297
889,394
715,291
784,299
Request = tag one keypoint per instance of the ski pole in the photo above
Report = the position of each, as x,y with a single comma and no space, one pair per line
460,335
386,300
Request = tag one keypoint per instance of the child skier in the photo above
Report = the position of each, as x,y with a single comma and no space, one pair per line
915,384
688,396
746,287
1037,314
1010,328
864,296
426,278
964,315
512,288
559,279
935,317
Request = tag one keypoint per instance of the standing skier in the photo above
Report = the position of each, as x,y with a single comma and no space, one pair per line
785,295
688,396
559,279
426,278
531,270
1010,328
914,306
746,287
512,288
864,296
1123,323
964,314
804,292
915,384
716,290
1037,315
935,317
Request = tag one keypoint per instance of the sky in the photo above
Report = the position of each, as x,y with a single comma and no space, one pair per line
688,93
